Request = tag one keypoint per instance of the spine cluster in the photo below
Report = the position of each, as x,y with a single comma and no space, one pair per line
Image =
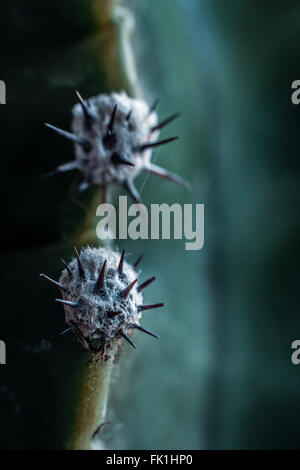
102,299
113,137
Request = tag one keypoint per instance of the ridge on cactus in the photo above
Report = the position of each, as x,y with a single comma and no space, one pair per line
113,137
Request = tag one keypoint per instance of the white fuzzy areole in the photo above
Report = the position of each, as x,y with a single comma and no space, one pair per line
91,317
96,164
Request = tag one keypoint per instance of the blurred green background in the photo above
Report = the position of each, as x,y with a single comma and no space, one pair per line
221,375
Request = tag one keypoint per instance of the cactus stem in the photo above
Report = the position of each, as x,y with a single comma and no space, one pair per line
91,409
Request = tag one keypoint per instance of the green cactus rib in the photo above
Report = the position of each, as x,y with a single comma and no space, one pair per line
52,396
91,409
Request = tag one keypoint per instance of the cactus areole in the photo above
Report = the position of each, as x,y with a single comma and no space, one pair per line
102,299
114,136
